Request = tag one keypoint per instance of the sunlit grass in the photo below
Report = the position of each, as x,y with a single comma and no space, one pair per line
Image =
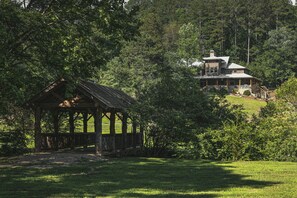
251,106
105,125
153,177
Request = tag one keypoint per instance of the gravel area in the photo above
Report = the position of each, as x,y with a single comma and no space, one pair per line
49,159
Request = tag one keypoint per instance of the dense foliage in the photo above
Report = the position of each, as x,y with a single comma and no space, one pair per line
145,48
271,136
259,34
45,40
12,143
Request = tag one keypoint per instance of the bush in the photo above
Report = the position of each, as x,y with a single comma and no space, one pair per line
234,91
12,143
234,141
247,93
271,136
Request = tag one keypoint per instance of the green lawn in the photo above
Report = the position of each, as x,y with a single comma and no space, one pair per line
105,125
251,106
152,177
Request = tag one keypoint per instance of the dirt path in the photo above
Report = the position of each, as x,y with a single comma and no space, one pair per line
49,159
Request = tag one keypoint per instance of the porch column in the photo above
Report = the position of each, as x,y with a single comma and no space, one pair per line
112,131
251,82
134,130
37,129
206,82
124,130
239,83
71,129
56,129
85,129
98,131
228,83
217,82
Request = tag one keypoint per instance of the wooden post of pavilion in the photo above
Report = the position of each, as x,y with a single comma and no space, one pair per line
98,131
37,129
112,131
251,82
56,129
124,129
85,129
134,129
141,136
71,129
239,83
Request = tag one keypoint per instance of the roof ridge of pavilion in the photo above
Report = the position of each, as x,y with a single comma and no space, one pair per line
107,97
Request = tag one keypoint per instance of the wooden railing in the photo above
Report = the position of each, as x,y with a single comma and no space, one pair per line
51,141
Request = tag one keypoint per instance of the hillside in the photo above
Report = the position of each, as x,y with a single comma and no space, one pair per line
251,106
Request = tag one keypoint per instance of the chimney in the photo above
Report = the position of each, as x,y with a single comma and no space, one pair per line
212,53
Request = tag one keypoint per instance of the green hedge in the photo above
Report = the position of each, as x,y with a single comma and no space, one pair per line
12,143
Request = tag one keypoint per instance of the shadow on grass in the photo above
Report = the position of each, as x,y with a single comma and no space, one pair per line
129,177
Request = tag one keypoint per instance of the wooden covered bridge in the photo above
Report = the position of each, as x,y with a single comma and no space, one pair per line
62,104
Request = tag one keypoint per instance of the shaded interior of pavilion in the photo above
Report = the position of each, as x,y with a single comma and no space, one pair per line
84,115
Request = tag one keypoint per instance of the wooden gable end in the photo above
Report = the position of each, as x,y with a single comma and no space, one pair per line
58,95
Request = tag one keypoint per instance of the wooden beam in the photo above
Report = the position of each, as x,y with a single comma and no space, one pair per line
112,131
119,116
134,130
76,116
105,114
71,129
90,117
98,131
85,129
141,136
56,129
239,83
124,129
59,105
37,129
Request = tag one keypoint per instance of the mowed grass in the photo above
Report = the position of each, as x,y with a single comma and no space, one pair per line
152,177
251,106
105,125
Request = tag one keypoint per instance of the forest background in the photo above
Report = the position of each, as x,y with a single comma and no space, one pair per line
144,47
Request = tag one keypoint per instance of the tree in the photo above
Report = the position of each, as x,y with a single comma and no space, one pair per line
278,61
44,40
288,92
188,43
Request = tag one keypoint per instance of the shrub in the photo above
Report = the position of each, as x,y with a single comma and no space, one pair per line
234,141
223,92
12,143
247,93
234,91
